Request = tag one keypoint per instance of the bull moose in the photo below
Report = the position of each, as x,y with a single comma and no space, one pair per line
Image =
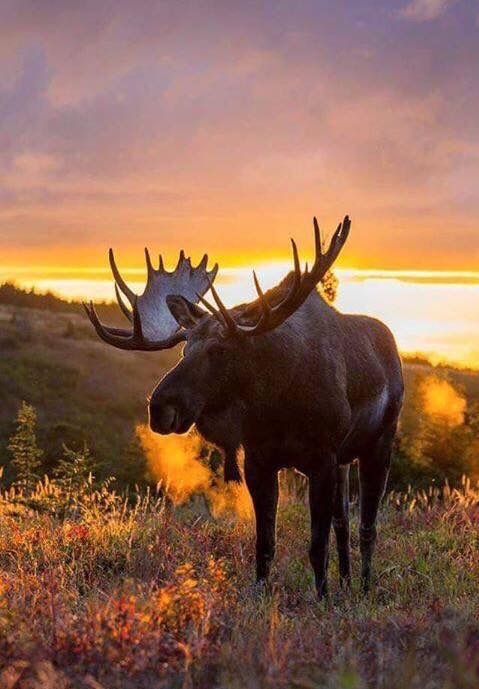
288,378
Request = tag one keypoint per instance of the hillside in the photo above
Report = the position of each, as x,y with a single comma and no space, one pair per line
83,390
87,392
104,589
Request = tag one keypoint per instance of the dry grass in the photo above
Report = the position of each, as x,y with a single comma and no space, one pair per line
95,592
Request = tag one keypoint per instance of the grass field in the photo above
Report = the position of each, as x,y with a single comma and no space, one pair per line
95,593
145,590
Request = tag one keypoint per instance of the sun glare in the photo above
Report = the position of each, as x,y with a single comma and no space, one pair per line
430,312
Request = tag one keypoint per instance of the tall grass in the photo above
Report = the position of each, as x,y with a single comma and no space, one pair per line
101,589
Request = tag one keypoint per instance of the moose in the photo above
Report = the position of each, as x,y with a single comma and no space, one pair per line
286,377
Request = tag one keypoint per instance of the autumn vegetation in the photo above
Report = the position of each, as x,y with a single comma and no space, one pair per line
126,562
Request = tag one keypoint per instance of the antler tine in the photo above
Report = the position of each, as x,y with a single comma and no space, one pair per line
122,304
212,274
210,308
338,240
181,259
317,237
119,280
113,336
318,249
264,304
297,267
228,319
149,265
161,266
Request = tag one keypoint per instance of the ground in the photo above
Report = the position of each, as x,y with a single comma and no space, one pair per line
132,590
97,593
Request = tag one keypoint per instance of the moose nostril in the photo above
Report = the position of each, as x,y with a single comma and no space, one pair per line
162,417
168,415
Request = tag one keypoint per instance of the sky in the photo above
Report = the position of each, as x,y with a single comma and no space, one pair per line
225,126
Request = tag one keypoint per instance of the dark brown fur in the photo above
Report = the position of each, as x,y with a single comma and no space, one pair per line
319,391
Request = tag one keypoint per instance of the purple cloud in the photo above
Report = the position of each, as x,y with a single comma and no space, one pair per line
228,125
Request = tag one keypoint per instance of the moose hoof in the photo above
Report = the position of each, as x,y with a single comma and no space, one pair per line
261,588
365,586
322,592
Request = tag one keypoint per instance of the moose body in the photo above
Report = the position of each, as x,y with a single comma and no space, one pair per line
316,391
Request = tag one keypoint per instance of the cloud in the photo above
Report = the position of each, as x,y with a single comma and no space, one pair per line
426,10
226,128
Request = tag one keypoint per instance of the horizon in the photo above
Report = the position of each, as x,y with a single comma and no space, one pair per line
431,313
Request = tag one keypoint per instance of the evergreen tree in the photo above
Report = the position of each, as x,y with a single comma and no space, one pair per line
75,467
26,455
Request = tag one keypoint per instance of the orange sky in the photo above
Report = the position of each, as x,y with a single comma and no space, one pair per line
223,127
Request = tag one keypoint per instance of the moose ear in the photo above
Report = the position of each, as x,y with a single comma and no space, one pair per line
183,311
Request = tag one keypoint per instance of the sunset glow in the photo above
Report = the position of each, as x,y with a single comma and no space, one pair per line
430,312
225,127
239,344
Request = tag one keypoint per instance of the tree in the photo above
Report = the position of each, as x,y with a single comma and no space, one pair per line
329,286
75,467
26,455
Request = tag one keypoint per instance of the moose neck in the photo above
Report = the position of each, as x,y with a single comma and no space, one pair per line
279,364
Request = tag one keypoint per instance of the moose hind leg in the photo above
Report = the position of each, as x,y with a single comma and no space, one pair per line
263,488
321,503
373,475
341,524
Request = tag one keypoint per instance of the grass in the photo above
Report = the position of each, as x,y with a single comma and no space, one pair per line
103,593
106,590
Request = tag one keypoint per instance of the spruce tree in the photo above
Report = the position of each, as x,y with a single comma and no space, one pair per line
26,455
75,467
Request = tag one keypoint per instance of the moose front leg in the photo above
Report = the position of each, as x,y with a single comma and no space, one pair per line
341,524
231,468
322,485
263,487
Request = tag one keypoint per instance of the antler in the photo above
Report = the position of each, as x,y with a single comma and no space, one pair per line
302,284
154,327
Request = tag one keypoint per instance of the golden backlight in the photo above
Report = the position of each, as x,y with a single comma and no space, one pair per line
443,401
429,312
173,462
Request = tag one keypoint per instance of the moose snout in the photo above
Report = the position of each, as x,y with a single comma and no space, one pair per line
163,416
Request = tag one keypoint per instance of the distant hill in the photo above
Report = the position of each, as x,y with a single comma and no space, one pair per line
12,295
